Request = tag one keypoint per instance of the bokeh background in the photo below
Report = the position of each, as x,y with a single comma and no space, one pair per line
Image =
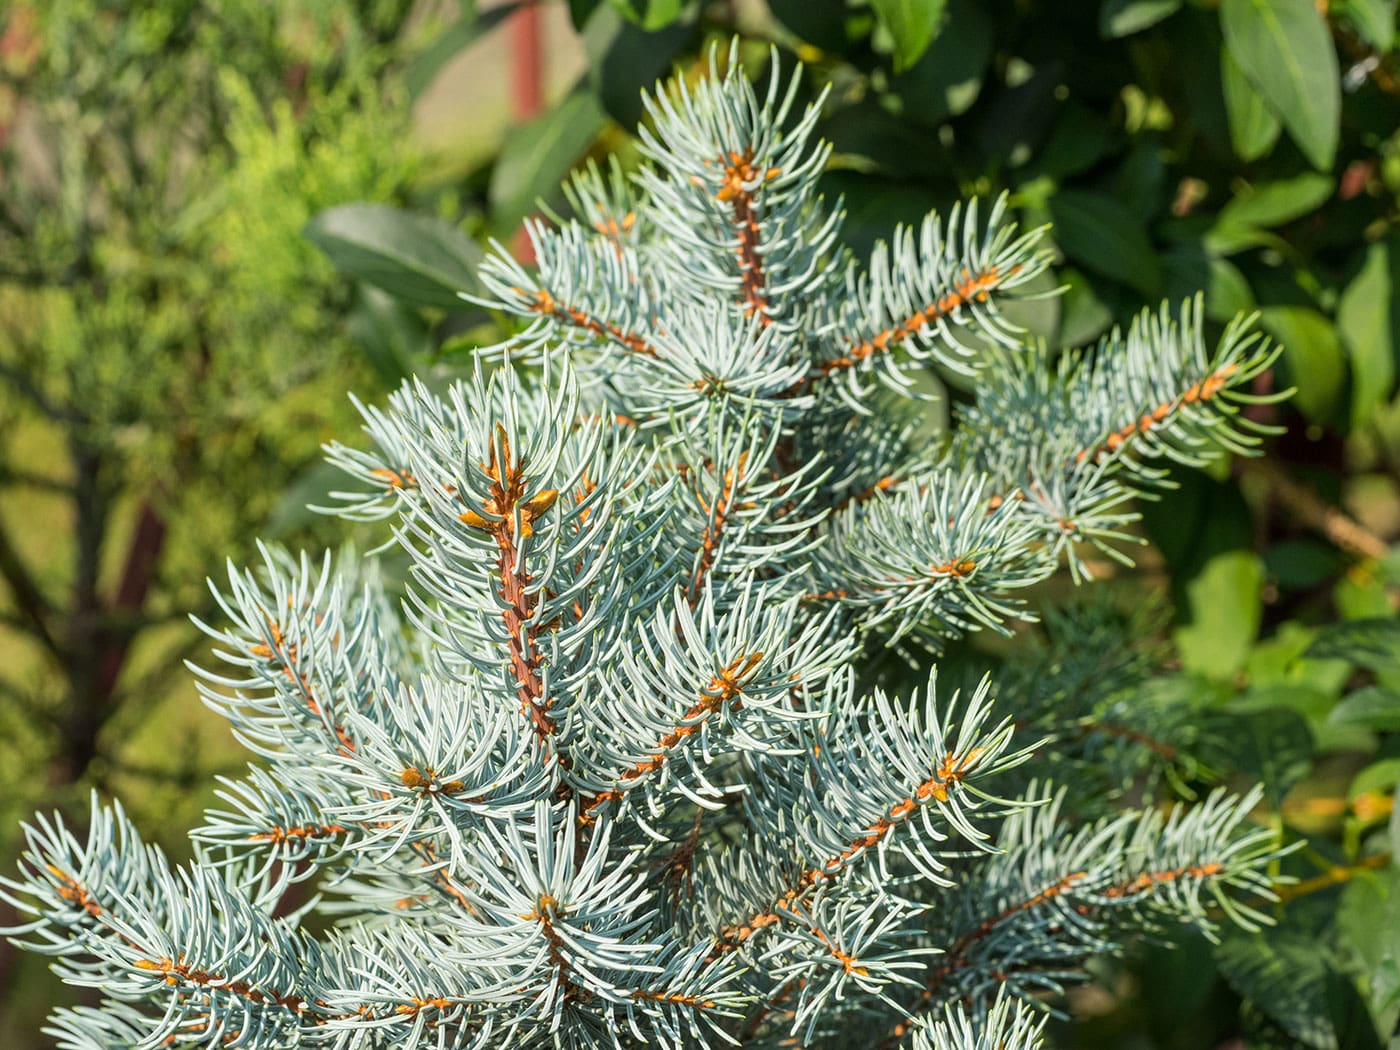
220,217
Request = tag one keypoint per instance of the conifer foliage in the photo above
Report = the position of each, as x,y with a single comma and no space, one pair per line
617,770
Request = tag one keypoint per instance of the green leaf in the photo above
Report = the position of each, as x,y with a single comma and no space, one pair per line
1189,269
1078,140
649,14
625,58
1105,237
1285,50
1378,776
416,258
1300,564
537,156
1374,20
312,488
1085,316
1275,203
581,12
449,43
389,334
1224,605
1368,318
1367,918
947,78
1312,357
1373,644
821,23
1122,17
1253,127
1373,707
911,24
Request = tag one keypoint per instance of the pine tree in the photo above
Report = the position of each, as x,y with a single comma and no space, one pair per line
631,763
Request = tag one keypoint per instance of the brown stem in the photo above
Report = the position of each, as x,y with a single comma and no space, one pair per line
714,529
505,512
1315,513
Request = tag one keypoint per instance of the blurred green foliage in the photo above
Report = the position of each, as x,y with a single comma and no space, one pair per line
172,353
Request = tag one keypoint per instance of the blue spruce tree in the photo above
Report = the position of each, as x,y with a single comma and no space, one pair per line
624,767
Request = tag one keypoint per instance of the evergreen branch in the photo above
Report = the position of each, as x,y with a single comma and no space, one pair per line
718,512
133,955
741,179
725,687
508,516
855,786
1160,747
546,305
1008,1025
971,287
667,547
1202,390
1064,895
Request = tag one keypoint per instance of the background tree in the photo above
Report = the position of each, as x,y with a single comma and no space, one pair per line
171,349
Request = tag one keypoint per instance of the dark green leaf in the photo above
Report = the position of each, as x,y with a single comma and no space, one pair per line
1374,644
911,24
1284,973
1374,20
625,59
537,156
1085,316
1104,236
1312,357
1077,141
413,257
1019,116
947,79
1299,564
1139,180
867,131
581,12
389,334
1225,608
1286,51
312,488
1374,707
1368,318
649,14
1189,269
1253,126
819,22
1275,203
1122,17
1351,1021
